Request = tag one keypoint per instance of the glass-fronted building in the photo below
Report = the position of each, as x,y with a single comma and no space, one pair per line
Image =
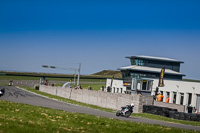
144,69
142,76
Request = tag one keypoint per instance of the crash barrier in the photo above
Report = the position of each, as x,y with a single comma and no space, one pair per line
180,108
170,113
100,98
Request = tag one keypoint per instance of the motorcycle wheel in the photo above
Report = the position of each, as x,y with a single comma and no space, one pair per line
127,114
118,113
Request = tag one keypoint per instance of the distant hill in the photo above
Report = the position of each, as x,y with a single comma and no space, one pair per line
108,73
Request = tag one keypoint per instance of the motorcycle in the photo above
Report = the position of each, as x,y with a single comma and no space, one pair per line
2,91
125,111
10,83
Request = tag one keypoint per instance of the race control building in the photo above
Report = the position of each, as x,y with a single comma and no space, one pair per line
142,77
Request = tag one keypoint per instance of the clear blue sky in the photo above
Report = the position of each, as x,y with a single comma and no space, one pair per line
99,34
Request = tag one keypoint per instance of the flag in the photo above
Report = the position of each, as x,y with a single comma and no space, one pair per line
111,81
161,79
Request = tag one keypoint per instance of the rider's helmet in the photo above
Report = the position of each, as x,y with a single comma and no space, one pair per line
132,104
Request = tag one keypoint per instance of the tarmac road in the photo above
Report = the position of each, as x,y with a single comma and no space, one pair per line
22,96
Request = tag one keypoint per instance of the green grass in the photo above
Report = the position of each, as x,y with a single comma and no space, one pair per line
66,100
3,84
161,118
5,77
140,115
18,118
94,86
67,79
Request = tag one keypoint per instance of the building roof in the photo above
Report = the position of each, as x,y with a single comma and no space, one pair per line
155,58
150,69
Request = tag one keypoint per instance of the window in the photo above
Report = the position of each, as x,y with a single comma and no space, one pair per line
149,87
182,97
174,98
190,98
144,85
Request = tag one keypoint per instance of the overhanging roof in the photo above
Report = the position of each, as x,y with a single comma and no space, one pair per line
154,58
150,69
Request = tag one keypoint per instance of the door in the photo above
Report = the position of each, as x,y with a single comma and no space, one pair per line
198,103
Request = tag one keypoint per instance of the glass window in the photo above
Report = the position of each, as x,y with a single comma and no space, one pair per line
174,98
190,98
144,85
182,98
149,87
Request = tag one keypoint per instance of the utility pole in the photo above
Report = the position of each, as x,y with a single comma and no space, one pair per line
75,78
79,69
65,68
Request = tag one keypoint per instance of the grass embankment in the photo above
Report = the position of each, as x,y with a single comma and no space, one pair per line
161,118
96,84
95,87
67,100
17,118
140,115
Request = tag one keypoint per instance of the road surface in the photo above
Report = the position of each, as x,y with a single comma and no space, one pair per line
21,96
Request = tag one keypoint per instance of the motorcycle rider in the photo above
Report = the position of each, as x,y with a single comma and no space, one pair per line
2,91
129,107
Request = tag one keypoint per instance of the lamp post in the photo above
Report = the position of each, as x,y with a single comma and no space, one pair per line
65,68
79,69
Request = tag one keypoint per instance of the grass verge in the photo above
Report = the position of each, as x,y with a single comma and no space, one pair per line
140,115
161,118
67,100
17,118
7,77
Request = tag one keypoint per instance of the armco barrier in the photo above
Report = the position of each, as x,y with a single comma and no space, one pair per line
103,99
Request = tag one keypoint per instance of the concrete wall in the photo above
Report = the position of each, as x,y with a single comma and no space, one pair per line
103,99
171,87
180,108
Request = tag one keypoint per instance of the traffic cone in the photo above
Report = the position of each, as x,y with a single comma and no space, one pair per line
196,111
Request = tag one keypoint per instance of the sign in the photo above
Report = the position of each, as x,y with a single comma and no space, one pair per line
127,84
161,79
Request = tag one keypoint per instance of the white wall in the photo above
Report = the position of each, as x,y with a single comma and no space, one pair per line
170,86
116,84
180,87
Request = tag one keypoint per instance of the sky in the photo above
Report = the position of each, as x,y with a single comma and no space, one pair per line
99,34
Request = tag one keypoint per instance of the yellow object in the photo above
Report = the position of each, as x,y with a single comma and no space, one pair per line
167,100
160,97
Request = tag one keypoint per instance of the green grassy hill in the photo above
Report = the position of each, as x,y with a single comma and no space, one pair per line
109,73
